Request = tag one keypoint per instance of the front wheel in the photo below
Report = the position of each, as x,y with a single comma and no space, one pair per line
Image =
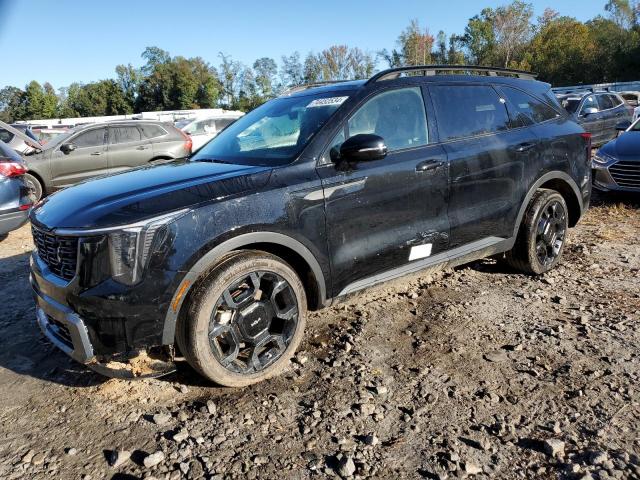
245,320
542,234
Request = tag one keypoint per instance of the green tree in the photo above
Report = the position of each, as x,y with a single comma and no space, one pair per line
291,70
129,79
266,71
415,45
562,52
12,104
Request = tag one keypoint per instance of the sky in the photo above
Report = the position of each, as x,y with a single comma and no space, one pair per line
65,41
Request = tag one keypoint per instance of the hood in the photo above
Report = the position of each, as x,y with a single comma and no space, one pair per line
145,192
625,147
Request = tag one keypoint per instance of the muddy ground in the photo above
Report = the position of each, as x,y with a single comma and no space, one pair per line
478,372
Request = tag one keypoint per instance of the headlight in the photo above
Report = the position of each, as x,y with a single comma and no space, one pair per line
130,247
601,158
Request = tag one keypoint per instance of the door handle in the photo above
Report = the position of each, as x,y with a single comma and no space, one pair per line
428,165
141,147
96,153
523,147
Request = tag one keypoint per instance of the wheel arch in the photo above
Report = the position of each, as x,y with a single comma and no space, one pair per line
565,186
38,177
287,248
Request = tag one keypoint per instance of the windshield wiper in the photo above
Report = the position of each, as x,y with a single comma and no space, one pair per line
210,160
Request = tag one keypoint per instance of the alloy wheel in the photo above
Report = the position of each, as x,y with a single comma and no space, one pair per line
551,232
253,322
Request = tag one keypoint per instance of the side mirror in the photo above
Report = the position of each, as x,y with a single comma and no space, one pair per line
589,111
67,148
363,148
624,125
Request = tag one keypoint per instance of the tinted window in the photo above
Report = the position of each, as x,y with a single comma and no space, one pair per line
605,102
223,122
398,116
570,104
465,111
152,131
5,135
91,138
528,110
124,135
617,101
589,102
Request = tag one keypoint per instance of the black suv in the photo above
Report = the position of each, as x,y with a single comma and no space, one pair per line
315,195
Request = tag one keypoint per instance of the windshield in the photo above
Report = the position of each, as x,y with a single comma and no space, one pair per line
570,104
635,127
273,134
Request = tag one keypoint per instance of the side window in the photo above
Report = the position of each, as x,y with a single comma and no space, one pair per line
465,111
589,102
528,109
5,135
124,135
223,123
605,102
398,116
617,101
91,138
152,131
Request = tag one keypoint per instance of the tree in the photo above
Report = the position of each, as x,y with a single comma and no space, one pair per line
129,79
230,78
415,45
562,52
12,104
266,71
479,38
291,71
623,13
49,102
338,62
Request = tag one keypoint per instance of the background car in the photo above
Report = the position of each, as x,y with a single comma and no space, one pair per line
204,129
15,141
15,194
597,112
616,166
97,149
45,135
632,98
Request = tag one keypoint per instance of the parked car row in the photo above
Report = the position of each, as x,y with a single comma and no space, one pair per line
598,113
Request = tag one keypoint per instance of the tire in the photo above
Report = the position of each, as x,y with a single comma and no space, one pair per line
35,185
542,234
260,320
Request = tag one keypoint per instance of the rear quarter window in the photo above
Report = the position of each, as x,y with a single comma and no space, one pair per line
5,135
527,109
152,131
468,110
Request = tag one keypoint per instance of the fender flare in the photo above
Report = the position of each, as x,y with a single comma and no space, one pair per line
554,175
209,259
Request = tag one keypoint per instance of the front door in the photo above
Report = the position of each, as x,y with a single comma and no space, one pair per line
87,160
127,148
383,215
592,122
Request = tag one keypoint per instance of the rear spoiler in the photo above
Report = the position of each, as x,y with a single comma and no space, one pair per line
28,140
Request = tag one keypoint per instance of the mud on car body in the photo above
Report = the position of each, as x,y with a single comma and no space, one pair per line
311,197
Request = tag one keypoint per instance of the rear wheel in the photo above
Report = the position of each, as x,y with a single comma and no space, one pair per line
542,234
34,184
245,320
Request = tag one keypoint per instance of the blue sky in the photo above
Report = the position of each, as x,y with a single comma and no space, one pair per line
74,40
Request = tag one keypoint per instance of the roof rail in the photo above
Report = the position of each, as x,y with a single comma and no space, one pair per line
430,70
300,88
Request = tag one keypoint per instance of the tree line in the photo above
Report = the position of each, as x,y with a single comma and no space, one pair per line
561,49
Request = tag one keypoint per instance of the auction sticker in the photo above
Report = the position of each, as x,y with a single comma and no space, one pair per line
325,102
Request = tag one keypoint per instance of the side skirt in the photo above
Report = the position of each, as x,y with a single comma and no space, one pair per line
451,258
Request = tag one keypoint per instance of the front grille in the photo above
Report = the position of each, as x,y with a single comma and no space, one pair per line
626,174
59,253
60,330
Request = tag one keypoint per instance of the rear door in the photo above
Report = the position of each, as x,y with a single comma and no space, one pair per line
486,161
127,148
390,213
89,158
592,122
609,112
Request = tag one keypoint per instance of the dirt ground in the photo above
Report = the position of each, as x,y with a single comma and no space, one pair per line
475,372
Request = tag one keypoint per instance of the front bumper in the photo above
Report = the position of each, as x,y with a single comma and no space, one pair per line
64,328
604,181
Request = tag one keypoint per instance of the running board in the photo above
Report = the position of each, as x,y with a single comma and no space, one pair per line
451,258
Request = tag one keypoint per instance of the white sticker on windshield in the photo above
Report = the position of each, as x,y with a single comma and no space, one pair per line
325,102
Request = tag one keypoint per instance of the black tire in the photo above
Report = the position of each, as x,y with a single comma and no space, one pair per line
244,320
542,234
35,185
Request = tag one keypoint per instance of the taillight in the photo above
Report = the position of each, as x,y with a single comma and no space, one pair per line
587,138
12,169
188,142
